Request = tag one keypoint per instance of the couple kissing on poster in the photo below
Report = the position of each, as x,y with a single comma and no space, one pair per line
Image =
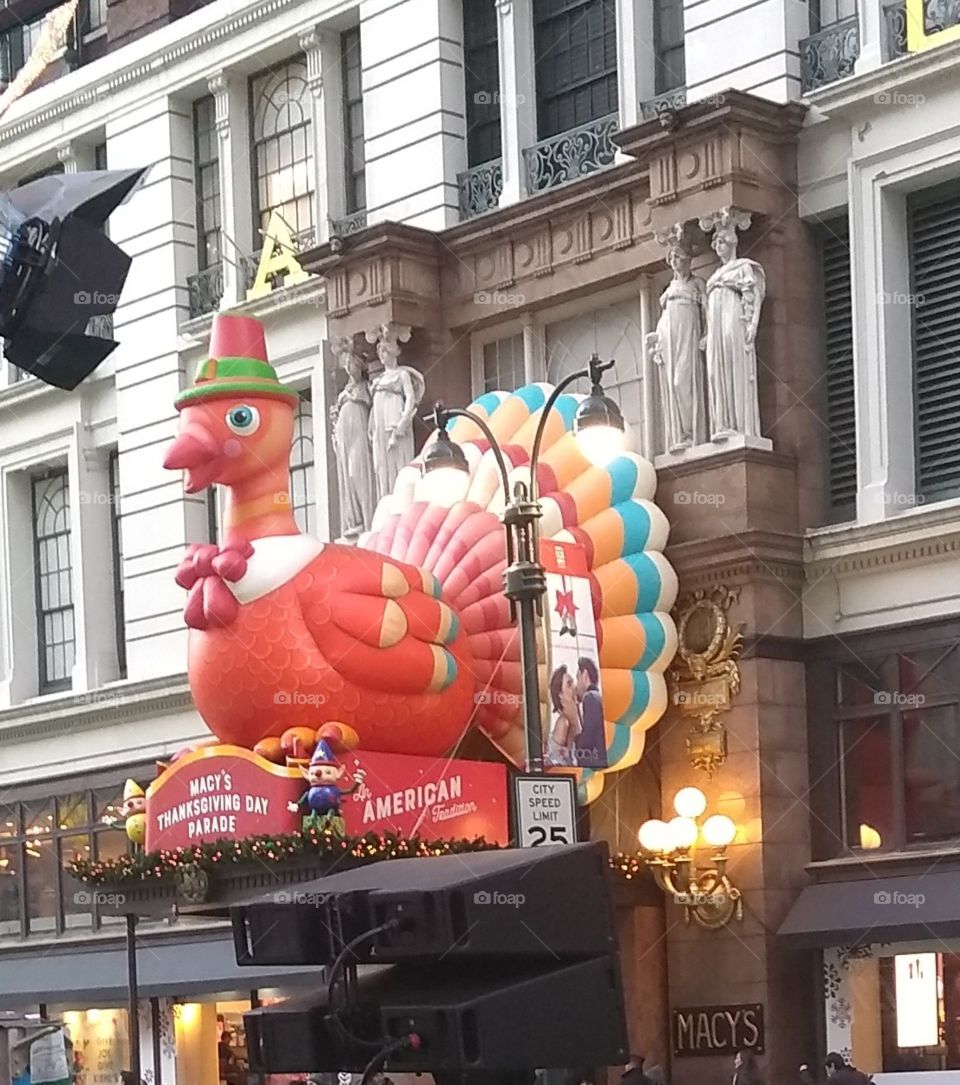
576,736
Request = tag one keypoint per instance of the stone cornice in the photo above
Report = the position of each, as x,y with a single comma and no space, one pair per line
49,717
732,109
734,559
917,537
896,75
730,458
312,292
94,85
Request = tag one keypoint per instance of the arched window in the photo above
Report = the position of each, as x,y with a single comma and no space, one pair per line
283,162
301,466
51,532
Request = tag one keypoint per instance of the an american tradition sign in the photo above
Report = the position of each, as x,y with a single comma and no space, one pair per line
229,793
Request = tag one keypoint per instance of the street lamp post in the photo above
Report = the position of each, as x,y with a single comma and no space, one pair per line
599,424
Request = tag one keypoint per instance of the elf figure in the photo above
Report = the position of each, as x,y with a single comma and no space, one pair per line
322,798
134,811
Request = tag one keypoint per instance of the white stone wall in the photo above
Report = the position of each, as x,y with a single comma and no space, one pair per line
139,101
870,142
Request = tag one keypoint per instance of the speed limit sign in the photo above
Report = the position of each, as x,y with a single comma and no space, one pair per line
545,810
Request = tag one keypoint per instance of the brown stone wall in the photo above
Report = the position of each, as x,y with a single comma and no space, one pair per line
583,239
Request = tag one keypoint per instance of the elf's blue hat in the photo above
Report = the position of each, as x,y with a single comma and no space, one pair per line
323,755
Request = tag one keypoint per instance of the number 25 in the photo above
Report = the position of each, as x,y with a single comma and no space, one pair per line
558,835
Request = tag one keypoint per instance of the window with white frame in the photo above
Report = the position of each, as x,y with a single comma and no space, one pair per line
96,15
837,314
281,111
670,70
206,151
575,47
933,236
481,69
501,365
117,547
301,466
56,640
354,157
612,332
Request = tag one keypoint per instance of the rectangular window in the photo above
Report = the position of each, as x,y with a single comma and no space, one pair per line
54,581
669,56
96,15
281,112
933,230
206,151
838,357
354,157
825,13
575,43
301,466
117,540
38,839
16,45
503,369
898,721
481,72
100,156
612,332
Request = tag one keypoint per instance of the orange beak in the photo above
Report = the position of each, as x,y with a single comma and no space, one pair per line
197,452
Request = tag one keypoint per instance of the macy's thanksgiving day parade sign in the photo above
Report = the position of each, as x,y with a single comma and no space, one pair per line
336,680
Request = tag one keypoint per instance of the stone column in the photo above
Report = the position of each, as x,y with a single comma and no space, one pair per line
158,519
883,390
534,350
518,93
650,438
872,30
412,52
94,615
76,157
635,59
236,225
322,50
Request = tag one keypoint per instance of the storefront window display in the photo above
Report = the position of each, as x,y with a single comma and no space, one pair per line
896,1012
98,1045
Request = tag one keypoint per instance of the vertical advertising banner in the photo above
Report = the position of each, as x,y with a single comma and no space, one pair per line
575,736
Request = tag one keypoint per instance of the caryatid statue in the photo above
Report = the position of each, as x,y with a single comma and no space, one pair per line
351,442
676,349
735,293
397,391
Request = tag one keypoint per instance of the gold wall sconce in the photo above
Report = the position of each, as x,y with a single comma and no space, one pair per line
707,895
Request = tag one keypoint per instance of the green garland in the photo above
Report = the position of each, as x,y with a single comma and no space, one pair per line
358,850
370,848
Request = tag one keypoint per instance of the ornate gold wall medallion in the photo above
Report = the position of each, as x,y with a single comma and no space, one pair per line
705,677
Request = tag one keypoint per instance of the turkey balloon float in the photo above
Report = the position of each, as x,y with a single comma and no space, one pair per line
404,641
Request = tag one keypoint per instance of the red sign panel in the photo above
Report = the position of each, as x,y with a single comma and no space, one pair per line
229,793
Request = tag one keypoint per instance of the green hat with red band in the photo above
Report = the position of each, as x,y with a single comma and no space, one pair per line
236,365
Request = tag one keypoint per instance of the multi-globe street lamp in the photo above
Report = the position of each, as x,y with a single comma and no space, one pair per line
599,428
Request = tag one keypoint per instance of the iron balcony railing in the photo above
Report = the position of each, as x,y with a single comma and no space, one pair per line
480,188
830,54
571,154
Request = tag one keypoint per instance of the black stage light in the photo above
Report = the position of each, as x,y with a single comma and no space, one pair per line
58,270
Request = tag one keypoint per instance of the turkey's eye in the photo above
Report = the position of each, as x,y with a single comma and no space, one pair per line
243,420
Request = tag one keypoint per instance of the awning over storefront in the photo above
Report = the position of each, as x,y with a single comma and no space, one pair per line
85,974
907,907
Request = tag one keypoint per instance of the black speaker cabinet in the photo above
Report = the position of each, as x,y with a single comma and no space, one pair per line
550,902
476,1016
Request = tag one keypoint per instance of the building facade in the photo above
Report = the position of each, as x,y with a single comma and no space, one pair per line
492,185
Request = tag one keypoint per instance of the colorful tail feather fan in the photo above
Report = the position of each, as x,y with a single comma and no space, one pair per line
608,510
